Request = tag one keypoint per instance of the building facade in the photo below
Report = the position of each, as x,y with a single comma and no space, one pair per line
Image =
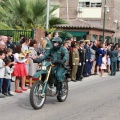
93,12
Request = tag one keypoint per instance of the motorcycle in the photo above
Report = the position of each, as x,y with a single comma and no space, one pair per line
42,88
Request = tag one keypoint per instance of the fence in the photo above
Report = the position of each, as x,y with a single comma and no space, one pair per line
16,34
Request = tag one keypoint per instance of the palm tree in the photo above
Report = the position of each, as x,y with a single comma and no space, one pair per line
26,14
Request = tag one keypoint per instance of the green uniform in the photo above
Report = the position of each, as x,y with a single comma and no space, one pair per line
113,58
56,55
48,44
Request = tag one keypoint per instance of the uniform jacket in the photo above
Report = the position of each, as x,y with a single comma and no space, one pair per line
47,45
87,55
75,57
81,55
113,55
55,55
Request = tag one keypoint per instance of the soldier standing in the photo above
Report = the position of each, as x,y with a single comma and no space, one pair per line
81,61
75,62
47,45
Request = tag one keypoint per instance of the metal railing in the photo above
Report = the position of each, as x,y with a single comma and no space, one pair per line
16,34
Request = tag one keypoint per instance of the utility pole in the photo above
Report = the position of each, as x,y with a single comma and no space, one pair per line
104,21
67,10
47,17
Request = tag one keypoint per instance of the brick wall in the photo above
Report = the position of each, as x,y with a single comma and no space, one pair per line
38,34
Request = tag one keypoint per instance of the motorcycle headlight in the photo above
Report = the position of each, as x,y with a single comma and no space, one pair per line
43,68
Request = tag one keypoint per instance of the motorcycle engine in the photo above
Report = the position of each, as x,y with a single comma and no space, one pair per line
51,91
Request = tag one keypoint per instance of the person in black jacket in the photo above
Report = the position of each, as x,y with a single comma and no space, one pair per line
81,61
10,43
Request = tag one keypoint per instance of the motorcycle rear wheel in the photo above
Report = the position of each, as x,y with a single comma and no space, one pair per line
37,99
62,97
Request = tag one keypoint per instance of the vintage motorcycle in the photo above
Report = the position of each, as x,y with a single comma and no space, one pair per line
41,88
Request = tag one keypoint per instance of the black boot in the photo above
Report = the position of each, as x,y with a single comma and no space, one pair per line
10,94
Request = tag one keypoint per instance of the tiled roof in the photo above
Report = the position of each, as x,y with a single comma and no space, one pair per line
82,24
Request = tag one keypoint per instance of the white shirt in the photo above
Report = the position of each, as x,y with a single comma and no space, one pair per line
17,59
24,48
8,72
2,68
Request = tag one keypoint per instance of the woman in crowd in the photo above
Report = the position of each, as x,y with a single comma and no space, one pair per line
100,51
32,66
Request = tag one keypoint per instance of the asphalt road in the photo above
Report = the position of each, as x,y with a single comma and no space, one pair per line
94,98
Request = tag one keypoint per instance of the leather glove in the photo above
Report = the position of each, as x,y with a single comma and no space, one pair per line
37,60
59,62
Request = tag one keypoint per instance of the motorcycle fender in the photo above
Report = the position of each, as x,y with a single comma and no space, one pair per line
37,74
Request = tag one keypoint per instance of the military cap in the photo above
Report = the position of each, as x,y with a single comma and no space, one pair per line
77,44
67,39
65,42
81,41
57,39
87,40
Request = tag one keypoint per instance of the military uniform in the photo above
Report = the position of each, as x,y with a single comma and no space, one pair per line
75,63
113,58
81,63
56,55
47,44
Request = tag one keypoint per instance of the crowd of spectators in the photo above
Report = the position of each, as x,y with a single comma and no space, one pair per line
85,58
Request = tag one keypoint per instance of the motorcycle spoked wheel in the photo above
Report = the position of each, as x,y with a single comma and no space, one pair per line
37,99
62,97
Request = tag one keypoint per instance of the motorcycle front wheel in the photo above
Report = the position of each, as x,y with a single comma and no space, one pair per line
37,99
61,97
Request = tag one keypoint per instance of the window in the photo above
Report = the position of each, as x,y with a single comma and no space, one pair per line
96,4
88,4
84,4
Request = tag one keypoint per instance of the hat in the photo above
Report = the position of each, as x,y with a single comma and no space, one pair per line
77,44
81,41
66,42
67,39
87,40
47,33
57,39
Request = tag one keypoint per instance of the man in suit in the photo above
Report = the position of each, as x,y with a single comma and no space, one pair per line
81,61
87,59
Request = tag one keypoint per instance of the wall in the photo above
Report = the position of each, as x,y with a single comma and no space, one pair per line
90,12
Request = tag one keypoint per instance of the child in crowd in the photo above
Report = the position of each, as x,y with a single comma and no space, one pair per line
103,65
8,72
2,72
9,55
20,69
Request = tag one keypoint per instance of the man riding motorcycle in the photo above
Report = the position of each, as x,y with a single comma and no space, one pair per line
58,55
